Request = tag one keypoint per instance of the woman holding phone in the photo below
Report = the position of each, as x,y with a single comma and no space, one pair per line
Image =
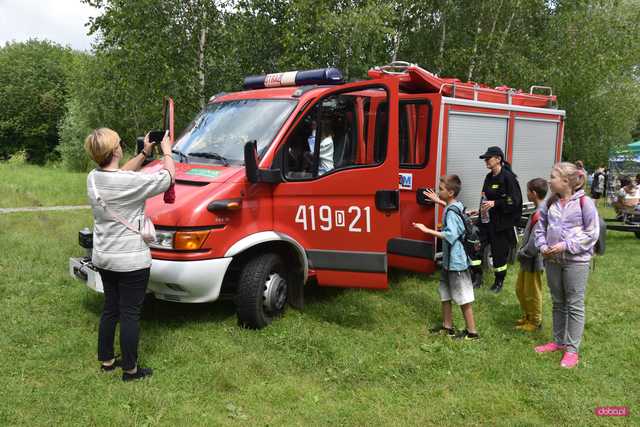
117,195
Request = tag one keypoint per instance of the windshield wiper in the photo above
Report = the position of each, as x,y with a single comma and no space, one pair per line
214,156
183,157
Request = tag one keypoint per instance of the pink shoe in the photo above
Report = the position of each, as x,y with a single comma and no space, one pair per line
569,360
548,347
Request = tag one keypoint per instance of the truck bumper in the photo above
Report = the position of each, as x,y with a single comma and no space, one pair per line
179,281
188,281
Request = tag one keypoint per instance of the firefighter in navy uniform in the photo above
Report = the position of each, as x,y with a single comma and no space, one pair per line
502,201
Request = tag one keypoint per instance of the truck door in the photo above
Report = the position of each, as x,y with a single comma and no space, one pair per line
412,249
339,197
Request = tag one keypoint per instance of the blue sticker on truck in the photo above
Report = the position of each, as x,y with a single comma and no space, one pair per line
406,181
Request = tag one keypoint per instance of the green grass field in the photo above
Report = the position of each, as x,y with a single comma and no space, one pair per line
350,358
26,186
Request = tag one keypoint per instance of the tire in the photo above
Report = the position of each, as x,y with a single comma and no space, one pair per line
637,233
262,291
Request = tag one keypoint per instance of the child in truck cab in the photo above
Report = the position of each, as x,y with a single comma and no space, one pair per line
455,279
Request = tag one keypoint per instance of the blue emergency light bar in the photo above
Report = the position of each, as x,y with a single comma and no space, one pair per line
321,76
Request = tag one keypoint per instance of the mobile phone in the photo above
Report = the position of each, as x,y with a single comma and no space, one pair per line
156,136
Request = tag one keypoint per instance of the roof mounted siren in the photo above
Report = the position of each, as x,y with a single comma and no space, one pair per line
320,76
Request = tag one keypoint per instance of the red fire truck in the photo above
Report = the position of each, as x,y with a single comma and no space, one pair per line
304,178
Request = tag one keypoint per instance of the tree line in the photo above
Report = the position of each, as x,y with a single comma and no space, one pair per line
51,96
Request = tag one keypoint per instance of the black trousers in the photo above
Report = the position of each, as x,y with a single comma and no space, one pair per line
124,294
501,242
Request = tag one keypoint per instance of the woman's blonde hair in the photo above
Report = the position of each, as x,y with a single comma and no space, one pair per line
571,173
100,144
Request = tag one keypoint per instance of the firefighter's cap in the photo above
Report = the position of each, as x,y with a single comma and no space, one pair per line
493,151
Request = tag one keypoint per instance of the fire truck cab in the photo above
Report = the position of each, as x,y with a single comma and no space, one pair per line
302,177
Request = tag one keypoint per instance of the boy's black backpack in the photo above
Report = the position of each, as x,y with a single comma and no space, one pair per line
471,237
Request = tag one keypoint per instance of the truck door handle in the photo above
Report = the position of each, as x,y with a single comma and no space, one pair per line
421,199
388,200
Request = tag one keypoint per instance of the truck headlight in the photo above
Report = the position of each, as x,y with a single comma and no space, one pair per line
164,239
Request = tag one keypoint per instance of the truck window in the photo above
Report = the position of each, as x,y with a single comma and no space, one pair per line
333,136
223,128
414,132
415,117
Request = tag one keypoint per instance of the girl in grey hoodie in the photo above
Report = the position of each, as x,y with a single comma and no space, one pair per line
566,234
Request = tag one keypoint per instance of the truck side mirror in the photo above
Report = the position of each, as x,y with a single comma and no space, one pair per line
251,161
254,174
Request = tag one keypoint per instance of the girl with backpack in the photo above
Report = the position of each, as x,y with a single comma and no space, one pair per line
566,235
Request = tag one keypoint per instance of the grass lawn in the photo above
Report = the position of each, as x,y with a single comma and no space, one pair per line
29,186
352,357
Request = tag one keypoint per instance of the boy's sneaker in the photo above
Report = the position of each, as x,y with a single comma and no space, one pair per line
138,375
466,335
522,321
441,330
548,347
529,327
569,360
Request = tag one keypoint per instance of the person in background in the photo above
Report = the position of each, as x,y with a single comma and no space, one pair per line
566,235
119,252
455,278
627,197
529,281
598,185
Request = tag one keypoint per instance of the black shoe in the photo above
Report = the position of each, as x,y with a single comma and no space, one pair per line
497,286
466,335
477,280
441,330
139,374
108,368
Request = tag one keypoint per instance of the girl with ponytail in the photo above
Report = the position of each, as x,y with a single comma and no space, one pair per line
566,234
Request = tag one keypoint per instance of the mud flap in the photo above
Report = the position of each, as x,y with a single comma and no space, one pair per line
295,292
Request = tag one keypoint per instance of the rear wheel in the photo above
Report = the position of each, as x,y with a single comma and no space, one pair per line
262,291
637,233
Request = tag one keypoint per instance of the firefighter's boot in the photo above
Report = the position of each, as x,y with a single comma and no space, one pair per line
476,277
499,282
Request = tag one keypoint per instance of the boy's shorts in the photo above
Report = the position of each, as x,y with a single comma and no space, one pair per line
456,286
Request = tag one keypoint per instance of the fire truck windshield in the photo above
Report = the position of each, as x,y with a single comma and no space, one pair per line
218,134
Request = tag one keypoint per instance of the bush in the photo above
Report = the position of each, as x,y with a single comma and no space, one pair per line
74,128
18,158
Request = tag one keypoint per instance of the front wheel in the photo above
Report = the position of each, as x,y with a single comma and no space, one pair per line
262,291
